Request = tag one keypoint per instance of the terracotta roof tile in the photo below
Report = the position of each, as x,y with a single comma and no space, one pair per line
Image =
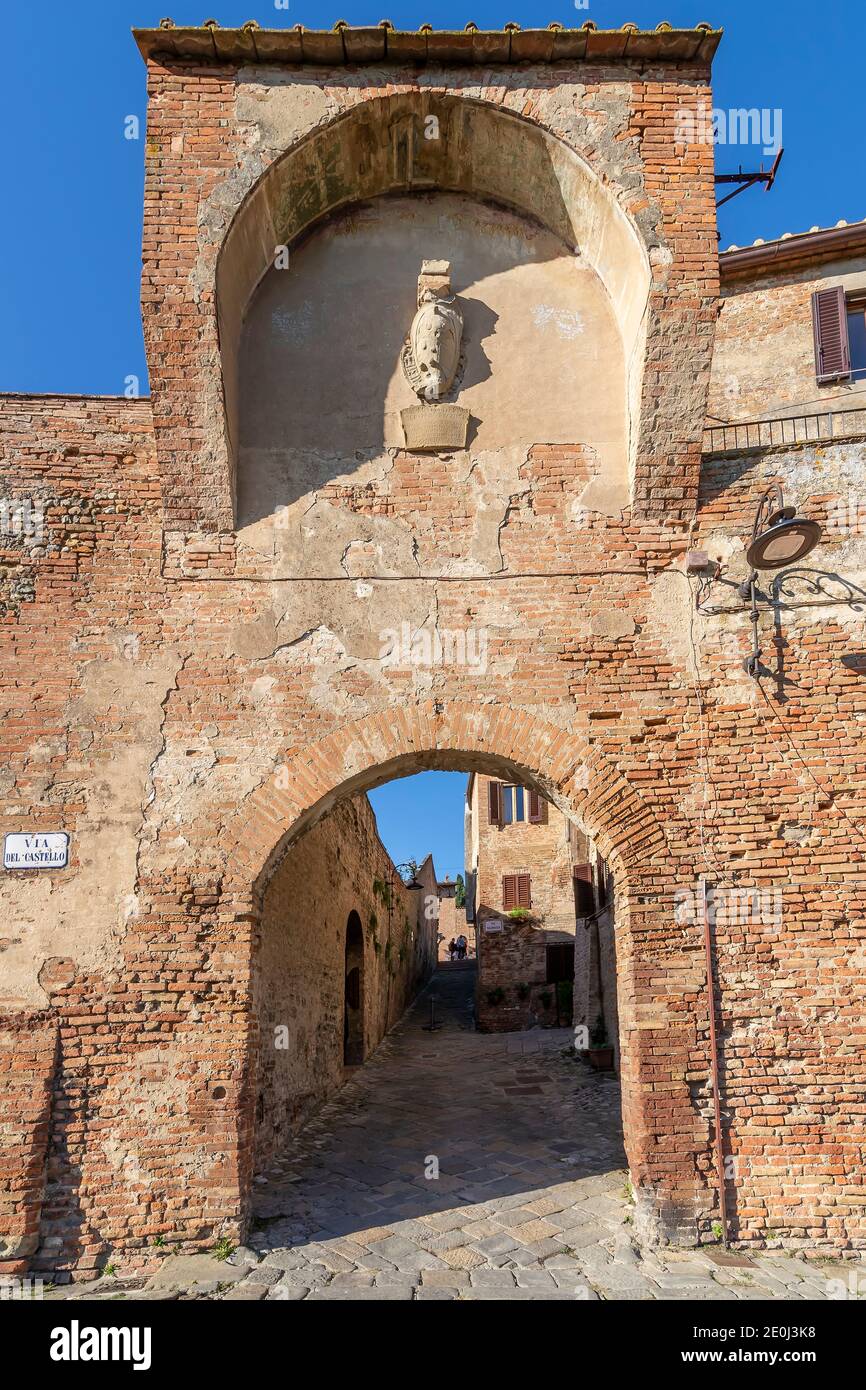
346,43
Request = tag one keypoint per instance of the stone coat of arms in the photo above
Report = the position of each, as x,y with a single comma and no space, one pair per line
431,354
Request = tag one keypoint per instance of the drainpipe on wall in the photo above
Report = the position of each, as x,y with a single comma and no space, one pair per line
714,1062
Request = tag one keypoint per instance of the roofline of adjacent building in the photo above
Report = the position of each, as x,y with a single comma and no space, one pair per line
792,252
346,44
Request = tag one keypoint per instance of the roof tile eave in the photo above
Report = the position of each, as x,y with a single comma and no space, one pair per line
336,48
815,246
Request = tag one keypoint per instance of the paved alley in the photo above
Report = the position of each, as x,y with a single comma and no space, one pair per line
438,1168
461,1165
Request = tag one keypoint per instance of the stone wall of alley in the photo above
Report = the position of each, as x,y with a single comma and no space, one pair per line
337,868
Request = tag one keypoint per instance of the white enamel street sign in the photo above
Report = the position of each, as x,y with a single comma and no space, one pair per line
37,851
494,924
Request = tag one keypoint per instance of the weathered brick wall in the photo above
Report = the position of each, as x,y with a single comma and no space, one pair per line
185,712
339,867
28,1055
749,831
85,671
783,811
764,355
514,960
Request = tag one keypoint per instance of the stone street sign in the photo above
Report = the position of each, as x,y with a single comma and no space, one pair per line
36,851
494,924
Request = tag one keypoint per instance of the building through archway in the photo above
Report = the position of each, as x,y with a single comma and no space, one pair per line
328,987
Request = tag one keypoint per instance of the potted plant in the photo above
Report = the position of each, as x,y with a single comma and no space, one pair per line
600,1051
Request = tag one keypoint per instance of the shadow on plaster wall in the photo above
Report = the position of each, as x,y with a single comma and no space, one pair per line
797,590
791,592
321,379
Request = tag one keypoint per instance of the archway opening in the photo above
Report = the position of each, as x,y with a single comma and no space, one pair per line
479,1087
353,993
663,1051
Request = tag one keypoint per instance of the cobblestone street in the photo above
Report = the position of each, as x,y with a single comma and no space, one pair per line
530,1202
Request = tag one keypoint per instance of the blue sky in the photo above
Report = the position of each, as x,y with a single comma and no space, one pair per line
422,814
70,236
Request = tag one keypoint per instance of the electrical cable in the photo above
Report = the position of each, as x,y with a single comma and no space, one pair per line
825,791
721,871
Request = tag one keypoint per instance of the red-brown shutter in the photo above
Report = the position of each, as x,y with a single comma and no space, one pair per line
516,891
534,806
830,323
584,901
494,803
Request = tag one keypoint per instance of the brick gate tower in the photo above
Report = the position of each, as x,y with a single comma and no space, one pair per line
429,320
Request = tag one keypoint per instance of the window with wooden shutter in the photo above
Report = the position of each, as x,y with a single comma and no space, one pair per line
535,807
584,898
830,323
857,337
516,891
494,803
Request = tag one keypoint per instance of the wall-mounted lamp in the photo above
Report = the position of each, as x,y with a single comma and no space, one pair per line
779,538
408,872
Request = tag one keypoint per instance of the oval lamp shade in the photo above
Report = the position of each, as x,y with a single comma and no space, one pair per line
783,544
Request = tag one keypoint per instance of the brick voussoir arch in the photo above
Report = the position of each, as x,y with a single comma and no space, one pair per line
662,1142
563,765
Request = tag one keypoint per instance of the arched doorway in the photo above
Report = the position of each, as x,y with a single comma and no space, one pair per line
353,993
669,1176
